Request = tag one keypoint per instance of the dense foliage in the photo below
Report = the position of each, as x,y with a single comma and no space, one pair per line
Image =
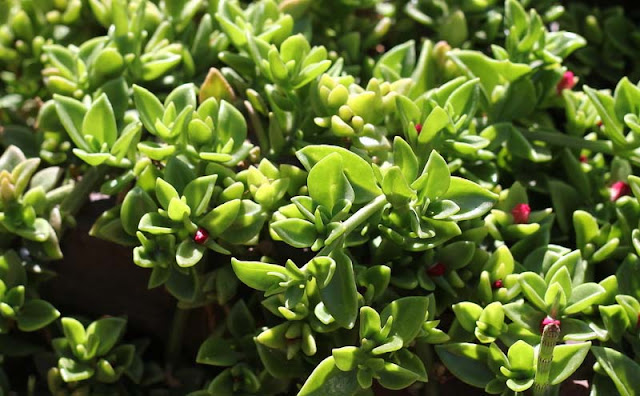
356,194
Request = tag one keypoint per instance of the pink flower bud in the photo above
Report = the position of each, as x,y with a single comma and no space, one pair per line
436,270
521,213
567,81
618,189
548,321
201,236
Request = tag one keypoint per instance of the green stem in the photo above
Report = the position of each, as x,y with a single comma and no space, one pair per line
174,344
263,140
364,213
550,335
358,218
561,139
81,191
427,355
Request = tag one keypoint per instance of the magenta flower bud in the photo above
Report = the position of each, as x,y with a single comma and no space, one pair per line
548,321
521,213
200,236
567,81
619,189
436,270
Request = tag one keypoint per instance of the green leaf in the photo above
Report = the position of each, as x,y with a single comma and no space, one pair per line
347,358
182,97
36,314
583,296
71,113
149,107
468,362
72,371
521,357
221,217
178,173
396,188
524,315
409,314
183,285
585,226
135,205
73,331
435,179
257,275
404,157
198,193
100,122
189,253
437,120
467,314
327,182
357,170
395,377
566,360
605,106
217,351
491,72
533,288
327,380
410,361
473,200
165,193
624,372
296,232
108,332
231,125
340,296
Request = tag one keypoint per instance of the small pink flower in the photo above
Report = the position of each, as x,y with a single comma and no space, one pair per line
548,321
618,189
436,270
418,128
497,284
567,81
201,236
521,213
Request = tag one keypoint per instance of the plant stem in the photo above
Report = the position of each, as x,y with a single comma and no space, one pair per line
561,139
81,191
263,140
364,213
550,335
426,353
174,344
358,218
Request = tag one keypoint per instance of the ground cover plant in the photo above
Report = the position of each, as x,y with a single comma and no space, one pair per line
346,197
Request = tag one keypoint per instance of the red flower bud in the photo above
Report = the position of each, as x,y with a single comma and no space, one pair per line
497,284
521,213
418,128
548,321
200,236
599,123
584,158
567,81
618,189
438,269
